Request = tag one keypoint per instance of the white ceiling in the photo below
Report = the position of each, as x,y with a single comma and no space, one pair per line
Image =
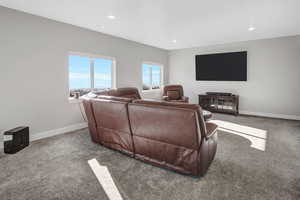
158,22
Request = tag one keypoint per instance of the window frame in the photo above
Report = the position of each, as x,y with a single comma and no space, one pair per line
161,76
91,58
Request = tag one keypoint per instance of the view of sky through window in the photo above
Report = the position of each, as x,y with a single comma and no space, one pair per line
102,73
146,76
151,76
155,77
79,72
80,76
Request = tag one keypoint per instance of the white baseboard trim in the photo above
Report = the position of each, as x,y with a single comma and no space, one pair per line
58,131
46,134
270,115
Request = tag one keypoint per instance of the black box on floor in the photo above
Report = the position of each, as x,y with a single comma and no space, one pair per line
16,139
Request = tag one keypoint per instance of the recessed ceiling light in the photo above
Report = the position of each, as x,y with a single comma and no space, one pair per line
111,17
174,41
251,28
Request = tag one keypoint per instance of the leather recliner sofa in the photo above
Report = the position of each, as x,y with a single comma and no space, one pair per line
170,135
174,93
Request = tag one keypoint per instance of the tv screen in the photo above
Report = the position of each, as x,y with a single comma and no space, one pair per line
222,67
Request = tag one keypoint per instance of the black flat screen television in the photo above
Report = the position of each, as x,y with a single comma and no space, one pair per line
222,67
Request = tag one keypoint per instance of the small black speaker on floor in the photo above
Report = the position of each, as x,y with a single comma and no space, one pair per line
16,139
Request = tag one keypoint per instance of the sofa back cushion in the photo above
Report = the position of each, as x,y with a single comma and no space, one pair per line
165,135
194,107
166,124
113,124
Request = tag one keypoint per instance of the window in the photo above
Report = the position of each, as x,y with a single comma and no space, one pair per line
152,76
88,73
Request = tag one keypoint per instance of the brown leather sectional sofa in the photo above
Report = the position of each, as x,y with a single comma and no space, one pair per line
170,135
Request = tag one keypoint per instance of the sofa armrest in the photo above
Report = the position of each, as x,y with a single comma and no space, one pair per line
185,99
211,129
208,148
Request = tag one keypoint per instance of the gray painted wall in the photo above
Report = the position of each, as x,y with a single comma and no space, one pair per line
273,85
34,68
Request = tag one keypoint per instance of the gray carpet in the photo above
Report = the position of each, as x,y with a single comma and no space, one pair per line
56,168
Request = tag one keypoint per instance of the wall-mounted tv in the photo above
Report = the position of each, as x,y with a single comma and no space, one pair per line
222,67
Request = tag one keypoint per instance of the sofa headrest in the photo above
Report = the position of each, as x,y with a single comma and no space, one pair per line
128,92
100,92
113,98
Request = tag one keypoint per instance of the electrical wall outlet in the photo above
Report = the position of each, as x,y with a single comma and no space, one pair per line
7,138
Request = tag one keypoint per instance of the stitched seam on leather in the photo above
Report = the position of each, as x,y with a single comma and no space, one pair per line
179,169
114,130
130,129
111,142
199,138
109,101
93,113
166,142
121,149
160,106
